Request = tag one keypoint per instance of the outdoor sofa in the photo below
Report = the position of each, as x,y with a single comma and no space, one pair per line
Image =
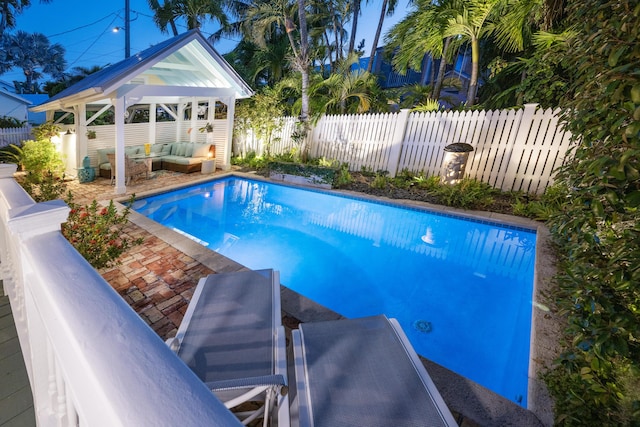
185,157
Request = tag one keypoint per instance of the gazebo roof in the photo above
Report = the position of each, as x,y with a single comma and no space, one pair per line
185,65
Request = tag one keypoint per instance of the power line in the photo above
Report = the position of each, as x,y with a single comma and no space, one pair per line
83,26
95,41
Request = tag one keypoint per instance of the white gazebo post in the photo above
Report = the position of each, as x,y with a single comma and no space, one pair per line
119,105
80,119
231,108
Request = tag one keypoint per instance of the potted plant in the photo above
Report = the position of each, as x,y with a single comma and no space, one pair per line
207,128
91,134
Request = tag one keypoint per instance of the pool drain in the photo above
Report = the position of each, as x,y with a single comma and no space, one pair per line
422,326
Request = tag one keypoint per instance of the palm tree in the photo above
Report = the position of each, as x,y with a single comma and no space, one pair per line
419,33
195,12
470,23
9,9
35,55
388,7
355,14
347,91
53,87
261,21
162,16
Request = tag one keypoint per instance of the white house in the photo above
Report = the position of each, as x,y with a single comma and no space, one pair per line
12,105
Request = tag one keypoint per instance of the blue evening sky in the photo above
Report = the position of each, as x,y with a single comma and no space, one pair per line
84,28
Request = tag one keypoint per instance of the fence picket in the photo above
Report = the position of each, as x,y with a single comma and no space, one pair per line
513,149
15,136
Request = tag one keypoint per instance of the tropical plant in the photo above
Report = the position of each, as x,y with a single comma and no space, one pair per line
45,131
427,106
342,177
261,115
9,9
40,158
387,9
345,91
467,194
267,17
194,12
10,122
35,56
98,232
53,87
598,230
11,153
41,189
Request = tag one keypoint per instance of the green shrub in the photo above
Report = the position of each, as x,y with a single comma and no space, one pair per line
380,182
97,232
43,188
342,177
41,157
467,194
544,207
598,229
45,131
429,184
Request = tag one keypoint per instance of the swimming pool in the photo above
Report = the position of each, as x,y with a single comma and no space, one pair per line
461,289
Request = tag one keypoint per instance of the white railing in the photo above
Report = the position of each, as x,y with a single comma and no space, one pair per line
90,359
513,149
15,136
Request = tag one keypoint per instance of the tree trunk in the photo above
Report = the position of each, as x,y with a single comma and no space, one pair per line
473,83
174,29
354,26
374,45
304,70
437,87
523,77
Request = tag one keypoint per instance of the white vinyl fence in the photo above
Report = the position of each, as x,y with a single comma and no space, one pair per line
513,149
90,359
15,135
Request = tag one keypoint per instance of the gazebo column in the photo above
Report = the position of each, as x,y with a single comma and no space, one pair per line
180,120
231,109
80,119
152,123
119,104
193,124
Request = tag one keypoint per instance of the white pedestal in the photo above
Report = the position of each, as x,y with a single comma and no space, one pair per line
208,166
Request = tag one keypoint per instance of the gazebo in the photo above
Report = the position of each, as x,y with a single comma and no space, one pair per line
184,78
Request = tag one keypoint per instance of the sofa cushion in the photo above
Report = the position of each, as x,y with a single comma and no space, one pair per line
189,151
130,151
157,148
182,149
102,154
181,160
200,150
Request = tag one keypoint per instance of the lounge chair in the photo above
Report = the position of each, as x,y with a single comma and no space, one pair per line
363,372
132,169
233,339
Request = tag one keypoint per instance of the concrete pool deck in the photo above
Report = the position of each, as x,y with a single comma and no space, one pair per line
158,277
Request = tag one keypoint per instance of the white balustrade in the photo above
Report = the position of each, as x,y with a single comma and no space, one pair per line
90,359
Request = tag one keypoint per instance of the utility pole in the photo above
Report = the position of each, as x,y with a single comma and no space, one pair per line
127,30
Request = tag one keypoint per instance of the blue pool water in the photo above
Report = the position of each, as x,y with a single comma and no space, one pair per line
461,289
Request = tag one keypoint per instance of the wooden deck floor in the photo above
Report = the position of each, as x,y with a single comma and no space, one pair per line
16,402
